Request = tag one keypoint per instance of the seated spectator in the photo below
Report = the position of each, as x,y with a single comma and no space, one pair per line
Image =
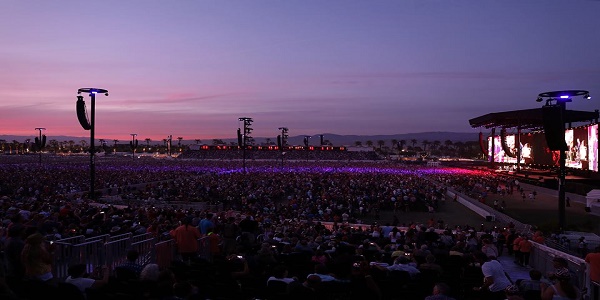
323,273
130,265
440,292
309,289
79,278
404,263
430,264
533,284
280,273
562,288
150,272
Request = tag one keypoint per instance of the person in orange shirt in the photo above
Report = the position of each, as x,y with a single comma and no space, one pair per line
539,238
525,248
186,237
593,259
515,247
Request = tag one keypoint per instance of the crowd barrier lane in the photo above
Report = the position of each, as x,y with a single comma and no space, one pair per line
542,258
145,248
164,253
90,253
116,252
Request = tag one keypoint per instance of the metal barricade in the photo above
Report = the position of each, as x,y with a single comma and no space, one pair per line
542,258
164,253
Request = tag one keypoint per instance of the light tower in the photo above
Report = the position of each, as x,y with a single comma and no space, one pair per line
282,142
245,137
89,125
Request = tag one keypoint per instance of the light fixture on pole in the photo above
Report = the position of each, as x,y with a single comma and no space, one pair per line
89,125
133,144
554,130
40,142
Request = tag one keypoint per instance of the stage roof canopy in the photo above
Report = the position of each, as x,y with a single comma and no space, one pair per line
531,119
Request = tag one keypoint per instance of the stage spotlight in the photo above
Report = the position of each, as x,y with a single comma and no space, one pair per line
587,96
539,99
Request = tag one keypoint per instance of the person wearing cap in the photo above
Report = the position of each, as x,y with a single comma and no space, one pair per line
562,289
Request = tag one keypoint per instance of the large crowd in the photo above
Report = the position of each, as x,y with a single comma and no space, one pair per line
280,231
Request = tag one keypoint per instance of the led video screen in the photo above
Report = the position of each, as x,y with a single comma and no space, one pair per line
582,150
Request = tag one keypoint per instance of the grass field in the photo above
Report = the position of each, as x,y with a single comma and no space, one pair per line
542,213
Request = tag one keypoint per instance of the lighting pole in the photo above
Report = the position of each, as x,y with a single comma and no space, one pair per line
133,144
556,103
247,122
89,125
40,142
283,142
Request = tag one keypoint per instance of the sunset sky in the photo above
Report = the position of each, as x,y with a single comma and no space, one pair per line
192,68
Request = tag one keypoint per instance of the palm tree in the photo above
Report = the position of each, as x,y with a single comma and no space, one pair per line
425,143
179,143
83,144
197,141
53,145
402,143
147,142
358,143
413,142
436,144
15,145
369,143
394,143
2,145
268,141
380,143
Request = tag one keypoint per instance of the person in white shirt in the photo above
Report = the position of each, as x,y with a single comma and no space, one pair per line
494,278
78,277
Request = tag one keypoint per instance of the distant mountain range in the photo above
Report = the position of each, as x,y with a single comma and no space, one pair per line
335,139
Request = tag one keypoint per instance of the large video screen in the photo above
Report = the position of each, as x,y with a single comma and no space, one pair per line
592,137
582,143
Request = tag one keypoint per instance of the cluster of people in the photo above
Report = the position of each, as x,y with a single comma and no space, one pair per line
269,230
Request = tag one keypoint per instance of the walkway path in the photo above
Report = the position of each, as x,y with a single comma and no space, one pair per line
512,269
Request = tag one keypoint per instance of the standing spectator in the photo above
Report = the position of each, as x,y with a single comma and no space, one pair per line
13,246
500,242
37,258
494,278
206,225
229,232
525,248
515,247
593,259
186,237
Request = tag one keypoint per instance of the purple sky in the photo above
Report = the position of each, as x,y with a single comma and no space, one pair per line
192,68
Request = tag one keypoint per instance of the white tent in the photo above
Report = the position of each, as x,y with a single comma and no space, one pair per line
592,197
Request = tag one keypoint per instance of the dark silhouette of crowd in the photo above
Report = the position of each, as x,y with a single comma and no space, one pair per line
299,231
